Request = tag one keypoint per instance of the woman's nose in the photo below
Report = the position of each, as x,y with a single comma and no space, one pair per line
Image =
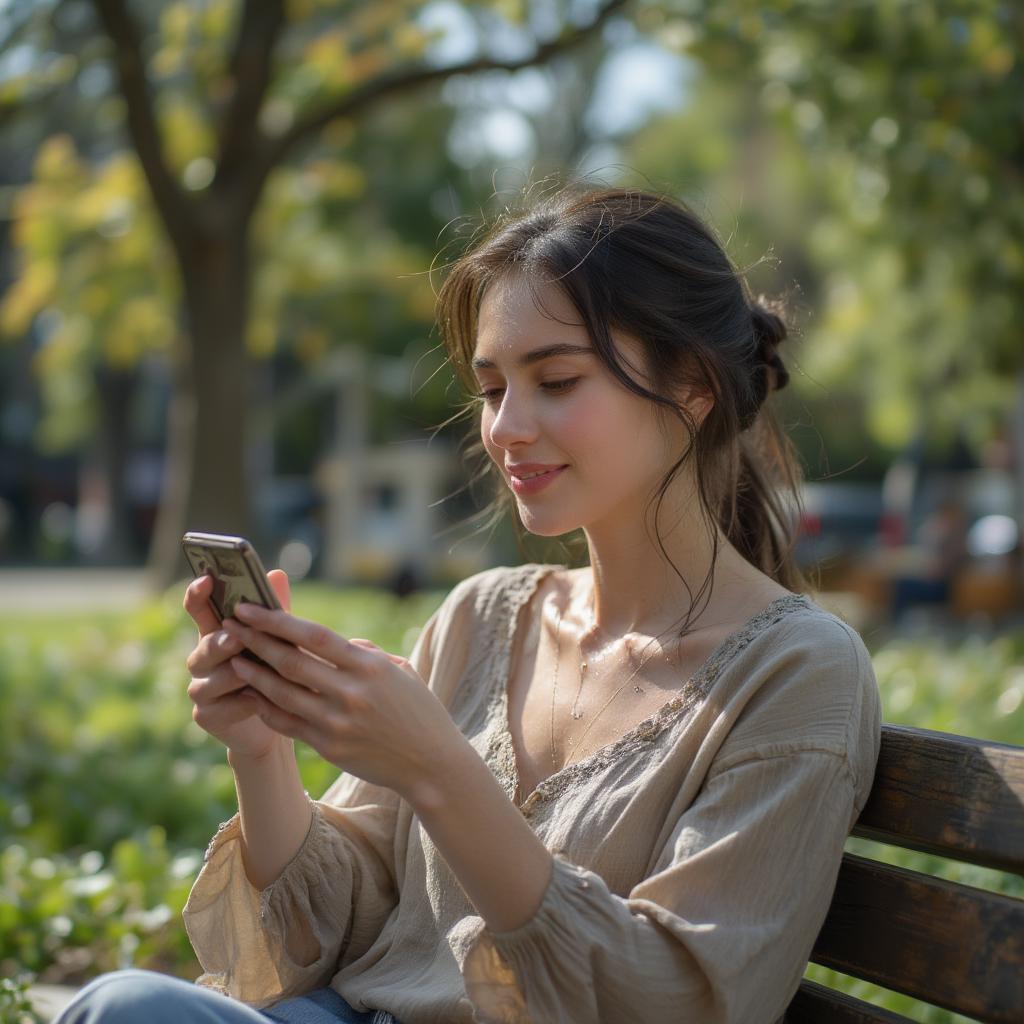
513,423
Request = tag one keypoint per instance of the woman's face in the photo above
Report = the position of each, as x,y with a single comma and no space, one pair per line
576,447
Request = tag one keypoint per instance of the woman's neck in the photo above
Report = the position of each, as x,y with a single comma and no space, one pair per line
636,590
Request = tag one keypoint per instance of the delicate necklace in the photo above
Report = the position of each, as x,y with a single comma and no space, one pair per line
575,709
585,663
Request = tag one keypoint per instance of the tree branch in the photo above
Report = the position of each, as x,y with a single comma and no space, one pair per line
250,69
171,202
393,84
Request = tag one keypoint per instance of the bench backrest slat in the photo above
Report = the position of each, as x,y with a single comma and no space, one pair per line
945,943
952,945
949,795
815,1003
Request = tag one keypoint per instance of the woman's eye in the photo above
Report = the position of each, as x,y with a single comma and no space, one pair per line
493,395
559,385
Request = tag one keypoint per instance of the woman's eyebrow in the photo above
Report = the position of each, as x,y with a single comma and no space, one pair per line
537,354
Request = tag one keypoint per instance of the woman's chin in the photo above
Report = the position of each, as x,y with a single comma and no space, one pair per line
545,526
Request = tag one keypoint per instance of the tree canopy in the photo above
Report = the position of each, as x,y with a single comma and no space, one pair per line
323,149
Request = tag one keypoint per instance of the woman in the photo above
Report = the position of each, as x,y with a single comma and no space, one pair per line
615,793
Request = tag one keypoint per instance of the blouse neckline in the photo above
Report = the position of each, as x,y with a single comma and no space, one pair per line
522,589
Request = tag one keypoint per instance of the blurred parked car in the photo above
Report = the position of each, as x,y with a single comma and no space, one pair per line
840,523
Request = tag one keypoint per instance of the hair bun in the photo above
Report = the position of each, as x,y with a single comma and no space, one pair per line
769,332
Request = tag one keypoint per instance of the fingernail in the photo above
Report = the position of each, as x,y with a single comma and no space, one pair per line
241,666
243,610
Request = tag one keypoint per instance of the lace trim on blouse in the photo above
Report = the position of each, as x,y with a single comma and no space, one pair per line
500,752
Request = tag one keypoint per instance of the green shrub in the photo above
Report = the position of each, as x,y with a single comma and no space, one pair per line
15,1003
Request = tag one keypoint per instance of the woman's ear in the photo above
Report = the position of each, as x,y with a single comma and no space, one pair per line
698,402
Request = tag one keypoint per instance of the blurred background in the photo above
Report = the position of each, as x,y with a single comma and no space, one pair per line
221,229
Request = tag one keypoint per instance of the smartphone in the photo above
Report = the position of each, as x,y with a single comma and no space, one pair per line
238,573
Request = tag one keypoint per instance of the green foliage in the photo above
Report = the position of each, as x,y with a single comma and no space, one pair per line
15,1003
95,278
97,706
875,149
974,686
80,916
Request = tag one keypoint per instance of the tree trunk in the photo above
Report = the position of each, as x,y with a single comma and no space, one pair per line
206,482
112,533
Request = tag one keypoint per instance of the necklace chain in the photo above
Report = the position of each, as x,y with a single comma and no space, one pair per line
576,713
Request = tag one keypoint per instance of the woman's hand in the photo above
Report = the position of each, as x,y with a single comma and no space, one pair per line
224,706
364,710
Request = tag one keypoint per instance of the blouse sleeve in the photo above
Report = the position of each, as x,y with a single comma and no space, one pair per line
325,908
722,931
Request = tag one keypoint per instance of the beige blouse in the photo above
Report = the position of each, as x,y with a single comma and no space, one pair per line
695,856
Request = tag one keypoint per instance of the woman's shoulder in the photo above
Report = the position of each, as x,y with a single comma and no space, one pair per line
816,663
496,592
806,685
812,630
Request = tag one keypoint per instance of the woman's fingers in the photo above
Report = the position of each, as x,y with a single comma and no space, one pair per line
222,681
284,658
212,650
369,645
281,721
282,693
311,636
197,604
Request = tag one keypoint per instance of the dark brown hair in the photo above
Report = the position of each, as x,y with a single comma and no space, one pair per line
647,266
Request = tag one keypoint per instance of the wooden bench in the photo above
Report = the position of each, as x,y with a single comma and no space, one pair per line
948,944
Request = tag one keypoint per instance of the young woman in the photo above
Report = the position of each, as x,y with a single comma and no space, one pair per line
617,793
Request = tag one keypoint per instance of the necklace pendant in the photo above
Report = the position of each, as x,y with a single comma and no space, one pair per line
636,689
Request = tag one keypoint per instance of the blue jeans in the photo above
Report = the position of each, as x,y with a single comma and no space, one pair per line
126,997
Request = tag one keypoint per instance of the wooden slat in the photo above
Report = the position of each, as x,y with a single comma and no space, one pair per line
952,945
816,1004
949,795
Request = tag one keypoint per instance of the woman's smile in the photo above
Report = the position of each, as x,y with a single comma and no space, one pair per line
530,477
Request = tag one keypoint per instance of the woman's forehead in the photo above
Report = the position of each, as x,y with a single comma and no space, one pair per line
516,298
518,316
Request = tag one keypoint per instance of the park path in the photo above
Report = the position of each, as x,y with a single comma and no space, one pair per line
71,590
49,1000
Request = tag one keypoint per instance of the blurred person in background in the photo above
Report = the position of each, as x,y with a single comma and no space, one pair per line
943,553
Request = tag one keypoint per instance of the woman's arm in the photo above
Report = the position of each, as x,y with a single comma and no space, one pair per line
503,868
371,714
274,810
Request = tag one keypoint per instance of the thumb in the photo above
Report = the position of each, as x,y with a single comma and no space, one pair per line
278,579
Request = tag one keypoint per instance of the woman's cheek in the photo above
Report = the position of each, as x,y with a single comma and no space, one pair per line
583,425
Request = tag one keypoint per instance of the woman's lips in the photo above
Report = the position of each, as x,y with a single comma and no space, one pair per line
533,480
